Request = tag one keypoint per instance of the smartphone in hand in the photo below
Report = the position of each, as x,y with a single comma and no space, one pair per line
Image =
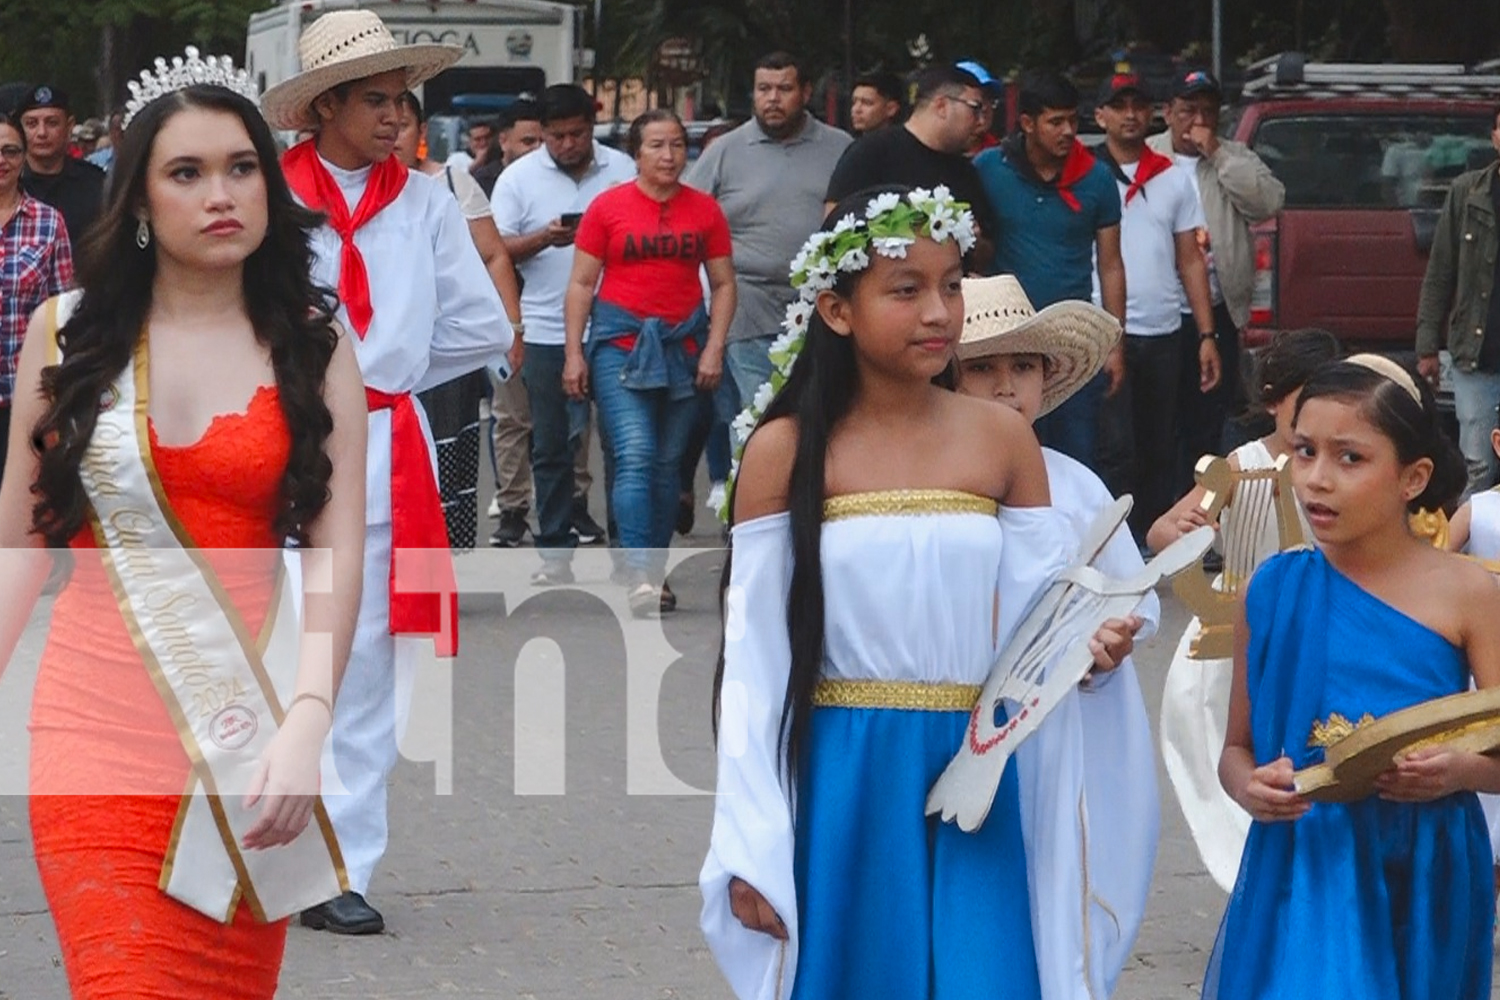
570,219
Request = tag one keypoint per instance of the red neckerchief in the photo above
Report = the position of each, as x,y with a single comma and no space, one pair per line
312,182
1150,165
1075,168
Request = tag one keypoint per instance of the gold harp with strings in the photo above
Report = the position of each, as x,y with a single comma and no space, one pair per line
1246,504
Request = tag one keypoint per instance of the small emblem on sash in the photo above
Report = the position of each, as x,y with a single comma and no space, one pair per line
233,728
108,398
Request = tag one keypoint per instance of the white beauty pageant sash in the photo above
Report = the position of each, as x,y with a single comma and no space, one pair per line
211,674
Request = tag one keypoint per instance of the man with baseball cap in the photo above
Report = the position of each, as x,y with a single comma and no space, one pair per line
416,298
73,187
1236,190
1160,219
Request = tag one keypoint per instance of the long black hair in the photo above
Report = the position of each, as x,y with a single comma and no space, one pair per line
818,395
1412,426
291,315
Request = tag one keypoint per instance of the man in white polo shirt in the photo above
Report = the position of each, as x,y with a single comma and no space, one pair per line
537,202
1160,219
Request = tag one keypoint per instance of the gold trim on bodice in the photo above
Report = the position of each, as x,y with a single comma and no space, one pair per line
914,696
907,503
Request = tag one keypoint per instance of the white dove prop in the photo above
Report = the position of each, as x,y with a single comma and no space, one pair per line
1046,658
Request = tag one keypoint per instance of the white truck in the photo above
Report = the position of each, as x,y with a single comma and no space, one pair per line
510,47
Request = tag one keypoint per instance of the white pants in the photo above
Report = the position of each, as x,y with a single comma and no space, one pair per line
369,714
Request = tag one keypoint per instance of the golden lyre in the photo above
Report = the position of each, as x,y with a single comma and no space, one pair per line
1257,516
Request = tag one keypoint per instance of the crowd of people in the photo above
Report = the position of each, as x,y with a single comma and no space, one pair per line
920,363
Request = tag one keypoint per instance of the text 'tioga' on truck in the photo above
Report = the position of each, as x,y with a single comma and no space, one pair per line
510,47
1367,154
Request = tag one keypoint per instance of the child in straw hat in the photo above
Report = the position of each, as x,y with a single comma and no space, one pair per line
1032,362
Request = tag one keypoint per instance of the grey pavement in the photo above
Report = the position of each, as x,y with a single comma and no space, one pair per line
490,893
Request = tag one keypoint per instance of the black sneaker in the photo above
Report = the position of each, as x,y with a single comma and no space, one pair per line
512,530
585,527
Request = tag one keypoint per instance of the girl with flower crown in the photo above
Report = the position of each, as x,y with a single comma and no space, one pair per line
886,537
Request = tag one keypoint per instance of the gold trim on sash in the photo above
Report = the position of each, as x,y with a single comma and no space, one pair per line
254,647
912,696
243,652
907,503
54,357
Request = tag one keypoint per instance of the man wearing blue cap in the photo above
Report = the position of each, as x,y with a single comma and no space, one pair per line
73,187
994,90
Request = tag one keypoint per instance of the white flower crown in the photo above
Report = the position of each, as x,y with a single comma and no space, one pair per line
891,224
215,71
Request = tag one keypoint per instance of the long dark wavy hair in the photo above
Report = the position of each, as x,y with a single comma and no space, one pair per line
292,316
818,395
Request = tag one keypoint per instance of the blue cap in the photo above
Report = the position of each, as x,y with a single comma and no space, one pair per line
978,72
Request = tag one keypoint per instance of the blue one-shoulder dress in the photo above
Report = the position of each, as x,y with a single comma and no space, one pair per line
1371,899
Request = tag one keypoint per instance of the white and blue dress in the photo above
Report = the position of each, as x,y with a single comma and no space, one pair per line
921,589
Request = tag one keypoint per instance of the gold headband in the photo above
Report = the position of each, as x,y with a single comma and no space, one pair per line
1382,365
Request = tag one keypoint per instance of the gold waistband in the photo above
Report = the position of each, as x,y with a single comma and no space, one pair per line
908,695
907,503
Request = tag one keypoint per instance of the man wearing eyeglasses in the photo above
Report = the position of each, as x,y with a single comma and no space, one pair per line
926,151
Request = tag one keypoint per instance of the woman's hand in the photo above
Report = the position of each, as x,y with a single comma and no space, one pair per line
1114,641
575,378
286,786
751,909
710,367
1424,775
1270,796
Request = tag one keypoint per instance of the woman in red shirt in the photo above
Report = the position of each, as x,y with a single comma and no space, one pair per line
652,347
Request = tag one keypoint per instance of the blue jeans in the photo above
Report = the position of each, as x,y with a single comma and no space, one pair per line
1073,428
1476,396
647,432
557,423
749,364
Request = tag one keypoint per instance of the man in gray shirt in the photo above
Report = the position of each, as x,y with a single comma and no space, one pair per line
769,176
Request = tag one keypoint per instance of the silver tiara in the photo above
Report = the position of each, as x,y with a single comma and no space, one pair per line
215,71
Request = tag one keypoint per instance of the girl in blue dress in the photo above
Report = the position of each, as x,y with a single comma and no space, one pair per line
887,536
1387,898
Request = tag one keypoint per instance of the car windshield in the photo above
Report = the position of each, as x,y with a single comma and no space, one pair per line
1372,160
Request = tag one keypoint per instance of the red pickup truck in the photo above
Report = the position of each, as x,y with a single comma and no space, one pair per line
1367,153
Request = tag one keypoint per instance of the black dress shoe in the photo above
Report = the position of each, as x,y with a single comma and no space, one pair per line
348,914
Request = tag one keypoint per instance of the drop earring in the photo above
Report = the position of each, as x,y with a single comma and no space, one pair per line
143,235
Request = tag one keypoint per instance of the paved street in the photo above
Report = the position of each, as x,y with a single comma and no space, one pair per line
489,893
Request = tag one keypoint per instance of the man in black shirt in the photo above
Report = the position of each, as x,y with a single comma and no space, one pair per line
928,150
73,187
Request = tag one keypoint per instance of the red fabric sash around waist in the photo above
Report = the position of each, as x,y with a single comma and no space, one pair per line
424,595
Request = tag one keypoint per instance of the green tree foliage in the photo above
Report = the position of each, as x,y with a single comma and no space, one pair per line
91,47
1008,34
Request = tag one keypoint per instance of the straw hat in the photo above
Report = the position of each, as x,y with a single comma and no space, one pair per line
343,46
1074,337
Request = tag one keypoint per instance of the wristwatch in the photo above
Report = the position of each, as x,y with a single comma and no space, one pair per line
1210,335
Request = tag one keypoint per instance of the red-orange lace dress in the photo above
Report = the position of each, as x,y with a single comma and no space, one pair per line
107,767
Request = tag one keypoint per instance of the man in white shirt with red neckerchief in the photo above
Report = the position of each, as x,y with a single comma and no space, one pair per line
1160,219
422,309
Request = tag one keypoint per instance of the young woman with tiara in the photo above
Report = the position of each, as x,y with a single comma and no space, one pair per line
887,536
1195,701
1385,897
176,423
